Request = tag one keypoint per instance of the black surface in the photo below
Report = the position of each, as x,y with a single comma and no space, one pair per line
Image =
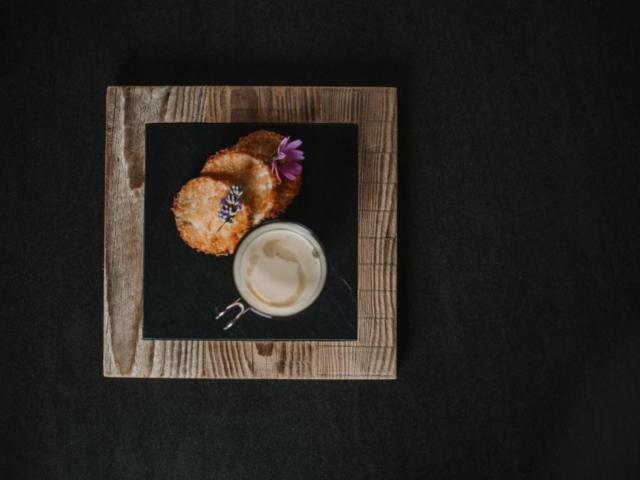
518,317
184,289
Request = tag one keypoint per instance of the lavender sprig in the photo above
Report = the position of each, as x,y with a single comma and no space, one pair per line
230,205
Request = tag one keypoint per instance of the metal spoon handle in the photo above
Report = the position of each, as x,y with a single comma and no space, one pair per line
237,303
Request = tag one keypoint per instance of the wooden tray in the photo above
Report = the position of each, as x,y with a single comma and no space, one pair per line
372,355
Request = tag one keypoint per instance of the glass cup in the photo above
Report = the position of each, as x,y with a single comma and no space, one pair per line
279,270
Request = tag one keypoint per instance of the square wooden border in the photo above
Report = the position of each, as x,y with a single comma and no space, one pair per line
126,354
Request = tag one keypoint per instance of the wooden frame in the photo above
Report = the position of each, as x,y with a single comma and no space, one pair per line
126,354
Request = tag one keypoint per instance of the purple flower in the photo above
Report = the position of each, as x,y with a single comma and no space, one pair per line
230,205
286,162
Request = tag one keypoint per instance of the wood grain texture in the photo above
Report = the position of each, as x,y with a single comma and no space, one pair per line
372,356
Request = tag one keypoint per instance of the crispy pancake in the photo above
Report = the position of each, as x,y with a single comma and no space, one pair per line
261,143
251,173
196,208
287,191
264,144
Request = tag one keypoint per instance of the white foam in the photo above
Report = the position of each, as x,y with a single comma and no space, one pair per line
280,268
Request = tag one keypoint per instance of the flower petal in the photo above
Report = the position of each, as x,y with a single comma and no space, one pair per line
291,170
283,144
274,168
289,176
296,155
294,144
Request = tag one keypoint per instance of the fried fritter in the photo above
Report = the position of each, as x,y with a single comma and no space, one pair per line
196,208
264,144
261,143
251,173
287,191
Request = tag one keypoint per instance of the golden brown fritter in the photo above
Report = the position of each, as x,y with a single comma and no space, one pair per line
251,173
196,208
287,191
261,143
264,144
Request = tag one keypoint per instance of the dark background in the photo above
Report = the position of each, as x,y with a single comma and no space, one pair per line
185,289
518,317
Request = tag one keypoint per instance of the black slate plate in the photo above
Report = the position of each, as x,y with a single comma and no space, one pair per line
184,289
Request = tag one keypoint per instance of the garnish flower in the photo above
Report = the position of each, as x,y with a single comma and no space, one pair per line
286,161
230,205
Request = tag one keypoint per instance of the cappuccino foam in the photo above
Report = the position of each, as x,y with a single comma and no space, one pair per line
280,269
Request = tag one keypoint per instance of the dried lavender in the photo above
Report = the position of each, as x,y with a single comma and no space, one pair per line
230,205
